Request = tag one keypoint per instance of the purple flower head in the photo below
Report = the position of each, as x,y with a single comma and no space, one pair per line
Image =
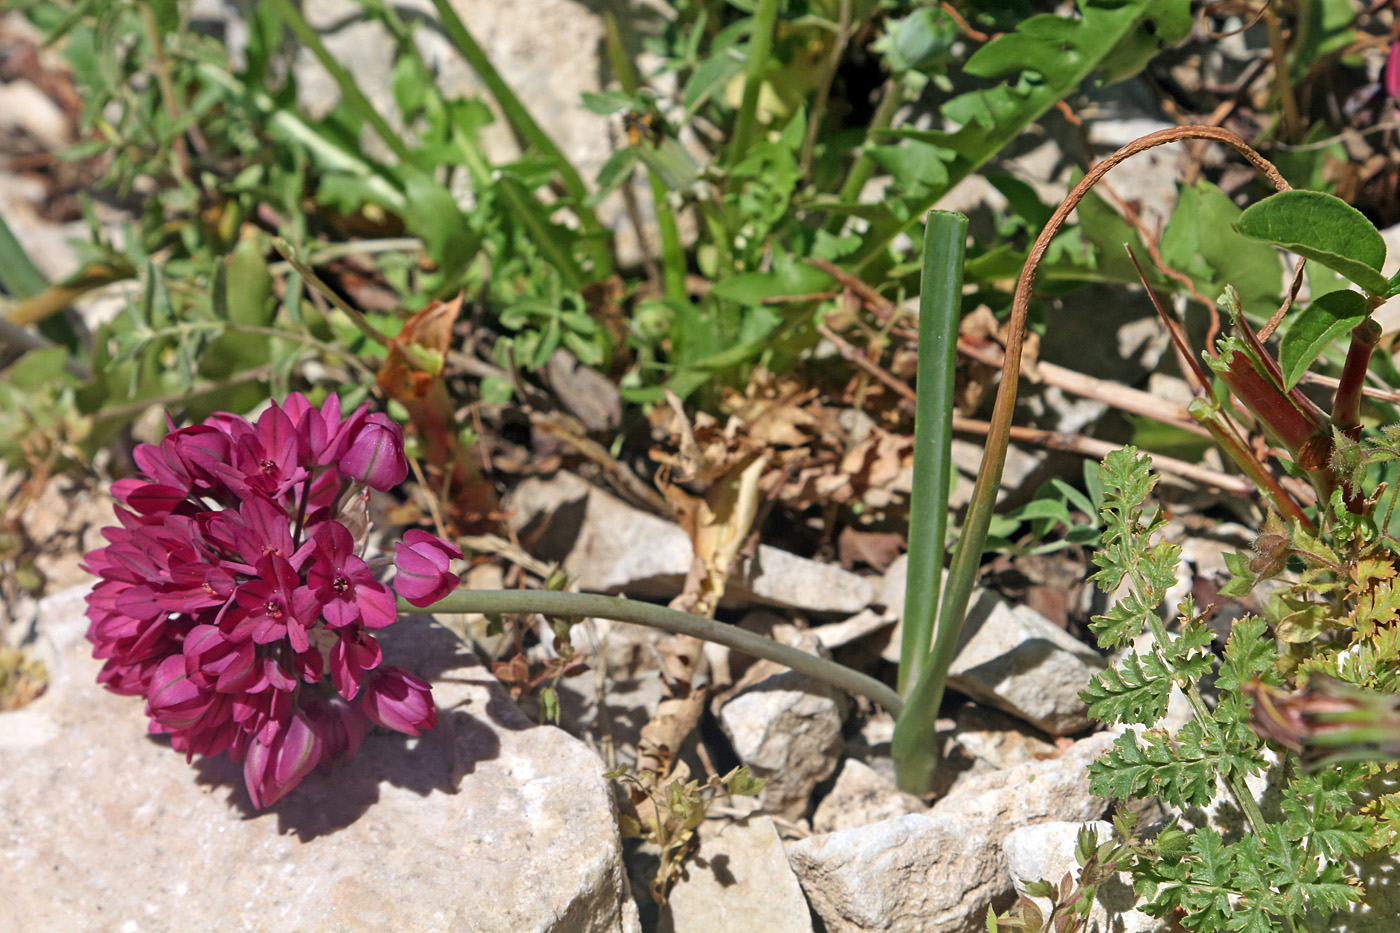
397,700
375,454
235,600
422,562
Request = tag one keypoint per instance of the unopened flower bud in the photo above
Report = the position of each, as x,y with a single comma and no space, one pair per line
375,455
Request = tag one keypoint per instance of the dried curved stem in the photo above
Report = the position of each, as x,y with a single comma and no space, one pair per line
989,476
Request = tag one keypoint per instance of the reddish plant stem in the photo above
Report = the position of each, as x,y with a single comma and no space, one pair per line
1346,403
1228,438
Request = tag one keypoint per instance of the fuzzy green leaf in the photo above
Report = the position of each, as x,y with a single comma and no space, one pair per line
1249,653
1329,317
1134,691
1323,228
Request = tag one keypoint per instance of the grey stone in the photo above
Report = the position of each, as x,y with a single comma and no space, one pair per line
920,873
998,740
1045,852
786,729
486,822
608,546
939,871
1015,659
739,879
860,797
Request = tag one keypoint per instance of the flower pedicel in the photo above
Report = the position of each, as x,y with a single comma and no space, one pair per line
233,598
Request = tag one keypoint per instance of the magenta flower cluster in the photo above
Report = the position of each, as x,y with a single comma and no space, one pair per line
235,600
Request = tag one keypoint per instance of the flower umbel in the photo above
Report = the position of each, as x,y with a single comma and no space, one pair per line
232,597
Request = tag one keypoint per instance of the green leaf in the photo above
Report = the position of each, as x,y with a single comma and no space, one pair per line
432,213
1323,228
743,784
1249,654
1135,690
1043,60
1314,329
1200,240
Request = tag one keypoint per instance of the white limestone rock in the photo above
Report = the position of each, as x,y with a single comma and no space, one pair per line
609,546
486,822
1015,659
938,872
786,729
739,879
860,797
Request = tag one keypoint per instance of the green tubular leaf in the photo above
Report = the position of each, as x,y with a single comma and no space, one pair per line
1313,330
1323,228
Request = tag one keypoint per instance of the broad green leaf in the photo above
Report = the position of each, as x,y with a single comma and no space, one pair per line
1201,241
1323,228
1314,329
432,213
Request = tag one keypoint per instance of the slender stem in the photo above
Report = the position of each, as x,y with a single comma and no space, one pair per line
765,18
814,120
891,97
349,90
313,280
617,609
286,127
1227,438
529,132
1346,403
672,253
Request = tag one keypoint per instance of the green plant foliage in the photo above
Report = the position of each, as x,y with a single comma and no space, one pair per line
1201,241
1043,60
1323,228
1316,328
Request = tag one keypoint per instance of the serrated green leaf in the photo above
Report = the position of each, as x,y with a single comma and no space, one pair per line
1135,690
1249,654
1314,329
1323,228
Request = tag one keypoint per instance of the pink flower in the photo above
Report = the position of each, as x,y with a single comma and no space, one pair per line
232,599
274,767
397,700
422,562
1391,74
375,455
347,591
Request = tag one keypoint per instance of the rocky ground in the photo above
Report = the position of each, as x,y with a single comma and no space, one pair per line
494,823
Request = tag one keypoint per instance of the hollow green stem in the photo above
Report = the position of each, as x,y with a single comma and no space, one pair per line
923,669
491,602
940,299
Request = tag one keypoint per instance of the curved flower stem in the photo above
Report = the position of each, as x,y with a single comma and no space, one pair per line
618,609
